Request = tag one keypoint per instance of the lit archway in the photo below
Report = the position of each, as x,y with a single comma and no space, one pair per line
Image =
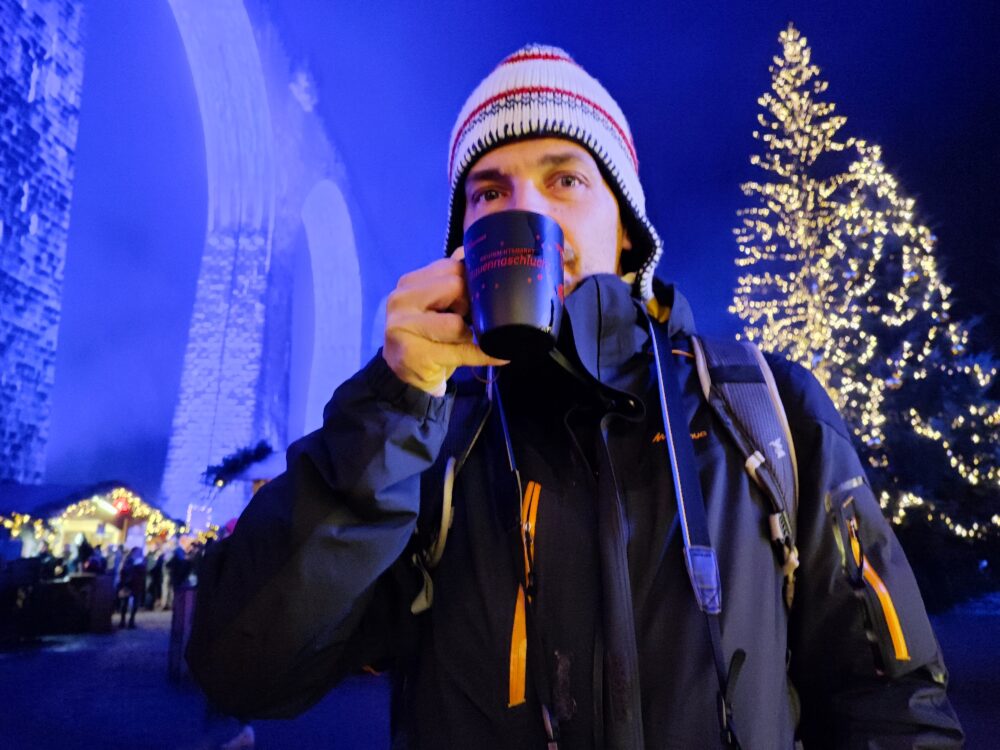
326,312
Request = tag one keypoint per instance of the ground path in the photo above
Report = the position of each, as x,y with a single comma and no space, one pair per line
111,691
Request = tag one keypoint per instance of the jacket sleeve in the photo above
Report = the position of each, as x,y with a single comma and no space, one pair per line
864,659
299,595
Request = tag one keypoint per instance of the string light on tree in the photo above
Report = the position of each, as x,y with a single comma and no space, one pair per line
838,273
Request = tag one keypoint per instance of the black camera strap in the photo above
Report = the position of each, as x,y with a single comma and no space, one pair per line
699,556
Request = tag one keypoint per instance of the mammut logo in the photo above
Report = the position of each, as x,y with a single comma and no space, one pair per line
659,437
779,450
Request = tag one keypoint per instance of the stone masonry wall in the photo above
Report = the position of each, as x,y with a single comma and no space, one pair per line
218,402
41,74
215,413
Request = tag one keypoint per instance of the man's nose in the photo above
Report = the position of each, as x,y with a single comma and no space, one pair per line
526,196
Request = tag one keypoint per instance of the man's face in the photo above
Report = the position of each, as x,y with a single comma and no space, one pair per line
558,178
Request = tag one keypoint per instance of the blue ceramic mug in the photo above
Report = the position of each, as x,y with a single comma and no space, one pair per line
514,272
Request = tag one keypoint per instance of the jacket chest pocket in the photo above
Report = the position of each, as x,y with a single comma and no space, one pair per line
872,586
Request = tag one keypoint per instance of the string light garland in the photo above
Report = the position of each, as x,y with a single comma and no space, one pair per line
18,522
109,505
838,273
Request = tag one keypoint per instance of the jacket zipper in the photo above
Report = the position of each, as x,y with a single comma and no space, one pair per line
519,632
864,578
874,581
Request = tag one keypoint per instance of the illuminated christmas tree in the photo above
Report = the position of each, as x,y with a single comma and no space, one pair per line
839,274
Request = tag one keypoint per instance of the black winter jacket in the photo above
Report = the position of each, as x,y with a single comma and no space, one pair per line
317,580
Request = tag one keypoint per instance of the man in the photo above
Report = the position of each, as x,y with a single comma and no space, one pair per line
561,612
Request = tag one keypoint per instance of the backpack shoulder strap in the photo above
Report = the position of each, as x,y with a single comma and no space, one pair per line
739,386
468,416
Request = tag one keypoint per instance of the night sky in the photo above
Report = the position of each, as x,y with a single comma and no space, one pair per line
919,78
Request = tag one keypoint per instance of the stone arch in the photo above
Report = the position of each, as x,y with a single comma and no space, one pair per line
261,131
215,414
326,314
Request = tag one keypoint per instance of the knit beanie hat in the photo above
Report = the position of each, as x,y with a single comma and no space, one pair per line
540,91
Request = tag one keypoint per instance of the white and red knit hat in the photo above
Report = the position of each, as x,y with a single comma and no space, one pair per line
541,91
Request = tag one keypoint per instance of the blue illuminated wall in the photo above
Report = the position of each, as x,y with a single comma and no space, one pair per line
41,70
279,250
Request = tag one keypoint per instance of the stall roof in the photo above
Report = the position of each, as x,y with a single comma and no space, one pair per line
47,500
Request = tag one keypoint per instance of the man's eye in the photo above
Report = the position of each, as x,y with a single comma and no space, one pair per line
568,181
489,194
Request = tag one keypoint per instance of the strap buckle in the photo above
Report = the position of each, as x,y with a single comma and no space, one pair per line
726,733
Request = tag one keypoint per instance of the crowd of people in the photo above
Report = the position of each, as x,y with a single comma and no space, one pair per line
144,578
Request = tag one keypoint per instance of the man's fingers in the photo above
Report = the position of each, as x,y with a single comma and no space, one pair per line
439,268
437,286
442,327
465,355
424,356
434,383
427,365
461,305
426,336
417,358
430,292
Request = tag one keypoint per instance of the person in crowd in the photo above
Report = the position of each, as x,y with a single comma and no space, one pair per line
83,552
198,553
167,592
616,574
115,555
131,586
154,578
96,563
49,563
195,552
70,559
178,569
66,560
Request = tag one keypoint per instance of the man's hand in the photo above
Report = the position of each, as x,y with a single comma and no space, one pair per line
426,337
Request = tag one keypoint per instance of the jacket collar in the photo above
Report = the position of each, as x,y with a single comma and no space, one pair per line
603,329
671,307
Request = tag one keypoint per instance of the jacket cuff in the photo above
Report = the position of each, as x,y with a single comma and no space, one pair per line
403,397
